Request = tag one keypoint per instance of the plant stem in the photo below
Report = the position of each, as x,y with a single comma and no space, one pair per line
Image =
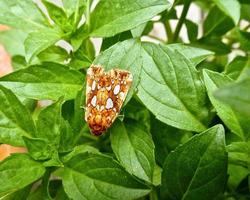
168,31
181,20
45,184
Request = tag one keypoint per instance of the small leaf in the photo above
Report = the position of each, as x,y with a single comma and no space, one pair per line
54,54
237,123
217,23
236,67
58,15
237,95
198,168
110,41
213,44
166,77
192,30
134,148
47,81
40,40
90,176
110,18
196,55
244,39
230,8
15,119
18,171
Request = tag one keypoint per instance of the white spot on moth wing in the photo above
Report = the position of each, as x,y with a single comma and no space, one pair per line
93,101
109,103
122,95
93,85
109,88
116,89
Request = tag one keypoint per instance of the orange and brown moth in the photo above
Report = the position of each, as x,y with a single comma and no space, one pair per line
105,94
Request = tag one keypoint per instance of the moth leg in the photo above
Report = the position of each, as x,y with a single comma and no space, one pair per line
83,107
121,117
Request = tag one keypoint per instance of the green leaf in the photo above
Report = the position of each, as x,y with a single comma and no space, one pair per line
198,168
40,40
15,119
236,175
213,44
38,148
94,177
166,77
72,6
54,54
245,12
47,81
244,39
58,15
237,95
13,40
108,42
84,56
123,55
18,171
21,194
238,153
21,14
217,23
237,123
67,139
230,8
49,123
110,18
196,55
236,67
134,148
166,139
192,30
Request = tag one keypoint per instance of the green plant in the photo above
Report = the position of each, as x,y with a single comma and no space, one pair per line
186,126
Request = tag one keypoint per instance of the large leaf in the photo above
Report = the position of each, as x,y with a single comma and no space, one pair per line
171,89
234,121
197,169
40,40
22,14
238,96
134,148
111,17
94,177
123,55
18,171
47,81
217,23
15,119
230,8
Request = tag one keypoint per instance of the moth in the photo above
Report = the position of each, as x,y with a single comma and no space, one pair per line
105,94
